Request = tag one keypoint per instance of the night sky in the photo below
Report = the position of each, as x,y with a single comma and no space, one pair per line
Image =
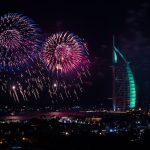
96,22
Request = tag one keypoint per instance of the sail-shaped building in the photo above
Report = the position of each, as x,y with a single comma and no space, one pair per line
124,89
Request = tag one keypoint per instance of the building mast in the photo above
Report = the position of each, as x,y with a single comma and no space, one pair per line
114,60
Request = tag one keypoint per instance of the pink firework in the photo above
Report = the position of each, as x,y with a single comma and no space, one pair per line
64,54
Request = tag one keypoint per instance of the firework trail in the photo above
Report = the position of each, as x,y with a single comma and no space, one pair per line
20,44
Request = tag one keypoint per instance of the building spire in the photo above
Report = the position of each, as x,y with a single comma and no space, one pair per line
114,55
113,41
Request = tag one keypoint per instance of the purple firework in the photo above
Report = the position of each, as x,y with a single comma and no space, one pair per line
66,58
20,40
64,54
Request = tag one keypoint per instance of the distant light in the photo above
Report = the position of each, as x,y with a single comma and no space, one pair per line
23,138
55,85
16,147
13,87
1,142
138,122
62,58
66,133
140,108
12,113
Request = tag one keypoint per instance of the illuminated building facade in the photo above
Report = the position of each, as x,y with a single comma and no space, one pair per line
124,89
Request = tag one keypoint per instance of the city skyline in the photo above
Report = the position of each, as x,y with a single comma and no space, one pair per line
96,23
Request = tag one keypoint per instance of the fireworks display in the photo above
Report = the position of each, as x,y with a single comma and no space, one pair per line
28,65
64,54
66,59
20,41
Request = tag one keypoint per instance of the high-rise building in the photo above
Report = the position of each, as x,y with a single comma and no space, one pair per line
124,90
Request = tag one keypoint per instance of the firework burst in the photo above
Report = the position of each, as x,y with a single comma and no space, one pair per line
20,40
67,62
64,54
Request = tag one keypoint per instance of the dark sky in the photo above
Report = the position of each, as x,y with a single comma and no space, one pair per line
96,22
